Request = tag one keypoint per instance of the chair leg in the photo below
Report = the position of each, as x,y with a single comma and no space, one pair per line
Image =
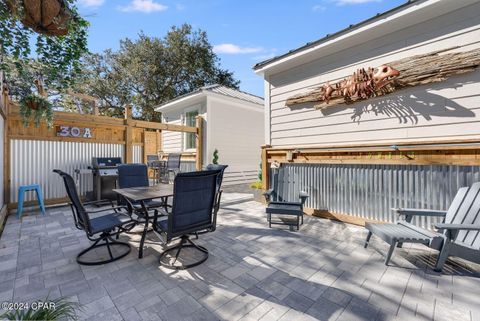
103,240
40,199
185,239
442,256
21,196
390,252
369,235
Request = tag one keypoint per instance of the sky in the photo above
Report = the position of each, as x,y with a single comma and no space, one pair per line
242,32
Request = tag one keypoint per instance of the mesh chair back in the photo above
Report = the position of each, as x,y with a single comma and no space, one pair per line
221,169
173,161
193,202
79,213
152,160
132,175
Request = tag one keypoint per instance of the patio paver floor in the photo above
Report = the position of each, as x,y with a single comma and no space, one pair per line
321,272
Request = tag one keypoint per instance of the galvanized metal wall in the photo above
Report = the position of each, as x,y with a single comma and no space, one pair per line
137,154
370,191
32,161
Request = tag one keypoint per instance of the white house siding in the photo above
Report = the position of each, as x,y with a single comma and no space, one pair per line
236,130
443,111
173,142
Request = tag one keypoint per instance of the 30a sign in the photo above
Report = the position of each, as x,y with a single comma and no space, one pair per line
73,131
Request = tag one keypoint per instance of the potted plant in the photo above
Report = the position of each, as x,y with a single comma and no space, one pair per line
48,17
37,106
58,36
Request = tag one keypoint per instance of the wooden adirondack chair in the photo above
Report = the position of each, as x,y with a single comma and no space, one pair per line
458,234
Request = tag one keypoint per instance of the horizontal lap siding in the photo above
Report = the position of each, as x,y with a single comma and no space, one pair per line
172,141
236,130
370,191
449,109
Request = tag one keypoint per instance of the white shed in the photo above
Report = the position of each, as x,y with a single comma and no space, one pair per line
234,125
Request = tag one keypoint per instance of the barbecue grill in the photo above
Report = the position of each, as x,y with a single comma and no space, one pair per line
105,176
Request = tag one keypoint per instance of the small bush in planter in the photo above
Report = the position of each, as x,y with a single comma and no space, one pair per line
37,107
215,157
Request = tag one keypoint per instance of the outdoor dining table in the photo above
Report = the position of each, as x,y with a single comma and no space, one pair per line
140,195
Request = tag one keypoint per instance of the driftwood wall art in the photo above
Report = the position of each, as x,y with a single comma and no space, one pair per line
408,72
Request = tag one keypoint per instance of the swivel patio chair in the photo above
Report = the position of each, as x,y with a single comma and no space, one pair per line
278,203
192,211
99,229
458,234
172,167
136,175
154,164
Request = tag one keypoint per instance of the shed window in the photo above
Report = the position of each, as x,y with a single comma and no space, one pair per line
190,118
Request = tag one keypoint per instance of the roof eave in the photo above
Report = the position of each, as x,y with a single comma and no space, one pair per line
261,67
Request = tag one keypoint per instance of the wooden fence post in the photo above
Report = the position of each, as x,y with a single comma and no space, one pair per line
199,143
5,106
128,135
265,168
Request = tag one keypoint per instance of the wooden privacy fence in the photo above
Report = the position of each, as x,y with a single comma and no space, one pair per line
32,153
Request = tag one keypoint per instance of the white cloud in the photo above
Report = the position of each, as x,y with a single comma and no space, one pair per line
318,8
91,3
146,6
346,2
180,7
228,48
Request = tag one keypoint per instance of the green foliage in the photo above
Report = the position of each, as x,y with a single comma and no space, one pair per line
44,110
57,58
149,71
64,310
256,185
215,157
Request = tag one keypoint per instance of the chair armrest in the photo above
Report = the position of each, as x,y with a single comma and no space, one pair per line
108,209
466,227
268,195
411,212
419,212
451,230
99,201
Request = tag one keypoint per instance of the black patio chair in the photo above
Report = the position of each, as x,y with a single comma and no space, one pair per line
156,165
218,189
278,205
136,175
192,211
172,167
99,229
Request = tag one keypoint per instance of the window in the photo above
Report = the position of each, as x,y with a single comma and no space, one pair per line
190,139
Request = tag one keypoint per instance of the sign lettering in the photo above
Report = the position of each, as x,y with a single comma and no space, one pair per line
73,131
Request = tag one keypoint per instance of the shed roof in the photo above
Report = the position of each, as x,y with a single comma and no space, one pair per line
216,89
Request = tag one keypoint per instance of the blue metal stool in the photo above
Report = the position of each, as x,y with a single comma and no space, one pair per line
21,197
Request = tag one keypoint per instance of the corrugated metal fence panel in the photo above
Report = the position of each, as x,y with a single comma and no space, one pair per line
370,191
137,154
187,166
32,161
